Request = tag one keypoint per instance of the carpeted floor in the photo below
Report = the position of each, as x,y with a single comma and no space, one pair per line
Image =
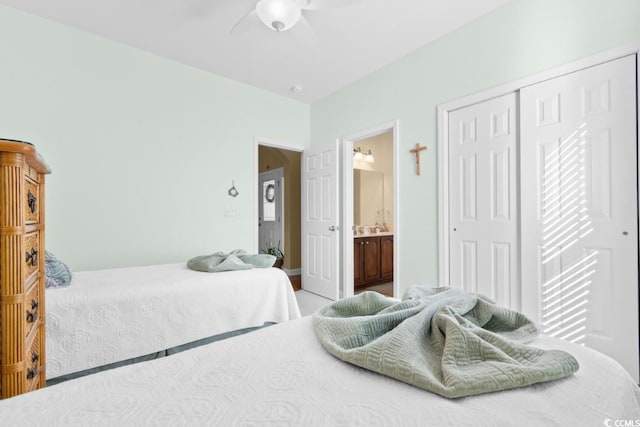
309,302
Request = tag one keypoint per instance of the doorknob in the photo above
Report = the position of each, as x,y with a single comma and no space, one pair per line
333,228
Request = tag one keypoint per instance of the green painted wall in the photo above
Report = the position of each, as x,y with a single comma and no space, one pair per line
521,38
142,149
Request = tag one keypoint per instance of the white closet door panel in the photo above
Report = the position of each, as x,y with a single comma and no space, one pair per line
579,208
484,245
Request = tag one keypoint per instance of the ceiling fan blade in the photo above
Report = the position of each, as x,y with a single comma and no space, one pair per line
326,4
304,33
247,23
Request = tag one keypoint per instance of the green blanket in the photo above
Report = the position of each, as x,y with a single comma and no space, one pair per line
439,339
234,260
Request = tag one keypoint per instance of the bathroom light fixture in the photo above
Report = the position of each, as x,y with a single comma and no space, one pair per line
369,157
279,15
358,154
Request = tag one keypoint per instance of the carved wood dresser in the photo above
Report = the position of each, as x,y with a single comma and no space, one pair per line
22,275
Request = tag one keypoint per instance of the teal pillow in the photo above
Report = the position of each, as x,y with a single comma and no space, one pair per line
57,274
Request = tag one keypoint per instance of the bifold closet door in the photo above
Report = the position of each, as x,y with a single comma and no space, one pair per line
580,209
483,203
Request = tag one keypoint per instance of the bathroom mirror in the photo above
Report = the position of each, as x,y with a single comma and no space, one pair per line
368,197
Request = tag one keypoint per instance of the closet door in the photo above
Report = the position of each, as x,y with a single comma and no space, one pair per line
483,210
580,209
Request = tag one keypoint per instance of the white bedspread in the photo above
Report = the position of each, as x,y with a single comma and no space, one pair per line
111,315
281,376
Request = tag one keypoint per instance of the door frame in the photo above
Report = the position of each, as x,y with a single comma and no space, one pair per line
347,203
257,141
444,109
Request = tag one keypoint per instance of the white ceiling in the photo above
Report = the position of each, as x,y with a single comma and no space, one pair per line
353,41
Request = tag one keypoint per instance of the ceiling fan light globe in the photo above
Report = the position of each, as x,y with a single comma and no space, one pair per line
278,15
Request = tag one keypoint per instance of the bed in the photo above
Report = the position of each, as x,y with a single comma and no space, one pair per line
282,376
109,317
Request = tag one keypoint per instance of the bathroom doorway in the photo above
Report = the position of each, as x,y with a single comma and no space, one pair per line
371,175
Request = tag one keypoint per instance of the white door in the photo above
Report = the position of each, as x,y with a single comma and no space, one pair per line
580,208
270,210
483,234
320,235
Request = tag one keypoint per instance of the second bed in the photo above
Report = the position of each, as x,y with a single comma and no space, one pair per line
110,317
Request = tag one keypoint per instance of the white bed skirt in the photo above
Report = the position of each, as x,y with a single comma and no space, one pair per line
112,315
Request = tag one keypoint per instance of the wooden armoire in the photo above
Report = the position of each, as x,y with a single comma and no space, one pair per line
22,274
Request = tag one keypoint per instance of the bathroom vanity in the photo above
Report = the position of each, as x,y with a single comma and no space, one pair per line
373,259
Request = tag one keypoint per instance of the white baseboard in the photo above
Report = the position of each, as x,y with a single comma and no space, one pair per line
293,271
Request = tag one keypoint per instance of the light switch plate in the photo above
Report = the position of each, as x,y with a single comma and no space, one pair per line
231,211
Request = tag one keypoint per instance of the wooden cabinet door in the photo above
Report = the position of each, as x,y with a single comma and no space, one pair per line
358,262
386,257
371,258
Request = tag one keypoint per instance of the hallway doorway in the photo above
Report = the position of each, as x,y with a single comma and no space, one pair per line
284,165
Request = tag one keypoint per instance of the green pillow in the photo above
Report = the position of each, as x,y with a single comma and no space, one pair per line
57,274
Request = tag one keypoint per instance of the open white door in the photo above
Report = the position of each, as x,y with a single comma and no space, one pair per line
320,221
271,210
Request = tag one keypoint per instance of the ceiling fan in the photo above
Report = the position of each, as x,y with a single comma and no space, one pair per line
284,15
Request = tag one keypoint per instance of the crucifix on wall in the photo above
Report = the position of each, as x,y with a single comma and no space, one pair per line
417,151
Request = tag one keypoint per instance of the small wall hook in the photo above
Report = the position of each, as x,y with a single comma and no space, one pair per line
232,191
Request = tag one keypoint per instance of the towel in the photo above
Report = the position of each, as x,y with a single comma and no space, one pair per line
442,340
235,260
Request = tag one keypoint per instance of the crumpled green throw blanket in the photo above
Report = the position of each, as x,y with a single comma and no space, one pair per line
234,260
440,339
